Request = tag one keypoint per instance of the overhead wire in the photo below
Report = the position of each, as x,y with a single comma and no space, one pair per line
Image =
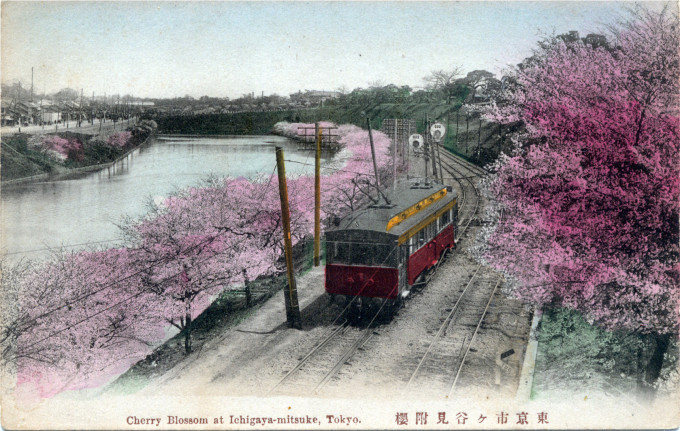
108,285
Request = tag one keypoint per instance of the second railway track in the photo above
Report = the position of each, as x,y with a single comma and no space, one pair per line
323,363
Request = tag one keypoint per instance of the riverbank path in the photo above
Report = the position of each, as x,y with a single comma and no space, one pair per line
107,126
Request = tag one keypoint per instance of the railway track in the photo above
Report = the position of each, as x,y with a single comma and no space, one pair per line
324,361
438,369
456,167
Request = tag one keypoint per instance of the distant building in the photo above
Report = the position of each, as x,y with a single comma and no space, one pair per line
312,97
49,114
8,116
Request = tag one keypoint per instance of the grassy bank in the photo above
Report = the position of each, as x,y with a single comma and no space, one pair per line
577,357
22,156
18,161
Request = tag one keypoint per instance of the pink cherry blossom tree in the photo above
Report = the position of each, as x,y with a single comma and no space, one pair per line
588,202
76,319
81,317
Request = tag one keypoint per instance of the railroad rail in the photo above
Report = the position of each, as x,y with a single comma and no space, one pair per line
440,366
337,347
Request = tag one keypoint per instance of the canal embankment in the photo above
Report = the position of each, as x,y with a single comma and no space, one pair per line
67,154
469,135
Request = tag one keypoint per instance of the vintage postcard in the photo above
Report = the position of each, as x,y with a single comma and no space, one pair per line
340,215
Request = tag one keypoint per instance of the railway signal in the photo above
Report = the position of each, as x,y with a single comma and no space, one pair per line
438,132
416,142
419,145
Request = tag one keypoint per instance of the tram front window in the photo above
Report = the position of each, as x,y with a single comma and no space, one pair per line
341,252
384,255
362,254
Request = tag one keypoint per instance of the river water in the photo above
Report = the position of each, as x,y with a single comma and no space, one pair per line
83,211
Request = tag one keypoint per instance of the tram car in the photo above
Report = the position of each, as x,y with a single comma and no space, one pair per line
378,254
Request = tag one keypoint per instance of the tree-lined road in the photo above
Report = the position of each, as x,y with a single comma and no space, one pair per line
106,126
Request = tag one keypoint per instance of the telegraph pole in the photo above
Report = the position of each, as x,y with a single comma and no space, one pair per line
426,149
467,130
439,156
317,197
80,109
290,297
457,129
431,148
479,137
394,157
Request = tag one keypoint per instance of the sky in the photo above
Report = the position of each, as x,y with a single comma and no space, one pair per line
227,49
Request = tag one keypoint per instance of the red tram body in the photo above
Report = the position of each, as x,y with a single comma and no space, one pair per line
379,252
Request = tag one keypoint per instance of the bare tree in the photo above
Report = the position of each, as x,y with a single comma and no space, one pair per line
443,81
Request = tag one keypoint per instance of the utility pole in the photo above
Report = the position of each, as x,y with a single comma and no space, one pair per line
31,83
394,157
80,109
290,297
479,137
431,143
317,197
457,114
434,161
467,130
426,149
439,156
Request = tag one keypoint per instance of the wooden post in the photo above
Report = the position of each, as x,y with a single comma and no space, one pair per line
479,137
457,129
394,157
434,161
291,299
317,197
426,148
246,286
432,150
467,131
439,157
407,151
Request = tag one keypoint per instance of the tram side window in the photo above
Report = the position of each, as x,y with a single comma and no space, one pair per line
421,238
446,218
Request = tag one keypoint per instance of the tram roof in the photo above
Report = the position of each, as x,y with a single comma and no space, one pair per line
411,202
